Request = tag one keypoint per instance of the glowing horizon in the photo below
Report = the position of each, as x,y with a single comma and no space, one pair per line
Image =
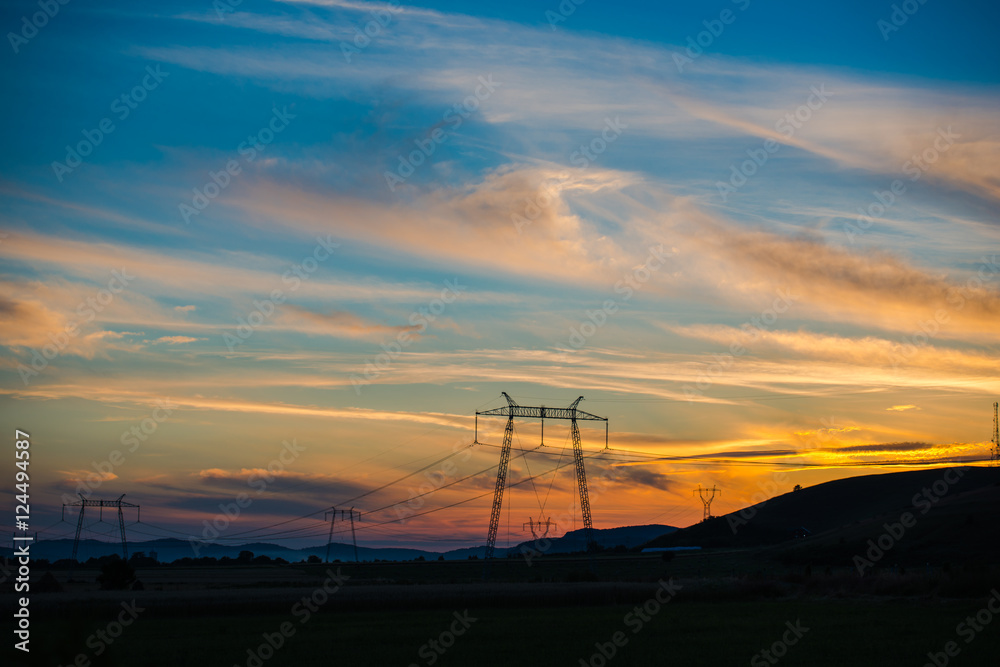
254,234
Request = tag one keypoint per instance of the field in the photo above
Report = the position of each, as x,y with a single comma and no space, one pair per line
559,611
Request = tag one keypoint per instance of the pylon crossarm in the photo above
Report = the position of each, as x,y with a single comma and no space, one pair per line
84,503
540,412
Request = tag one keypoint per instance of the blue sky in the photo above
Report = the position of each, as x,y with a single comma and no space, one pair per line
778,248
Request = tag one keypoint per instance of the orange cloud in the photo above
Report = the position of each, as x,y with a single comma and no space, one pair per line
176,340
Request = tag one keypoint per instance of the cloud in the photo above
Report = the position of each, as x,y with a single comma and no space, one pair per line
829,282
865,352
28,323
93,478
185,309
644,477
128,394
255,481
553,88
902,408
176,340
885,447
475,226
339,323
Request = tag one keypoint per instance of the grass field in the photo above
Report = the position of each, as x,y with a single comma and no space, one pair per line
559,611
681,633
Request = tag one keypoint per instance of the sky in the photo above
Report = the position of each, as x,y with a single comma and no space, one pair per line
260,259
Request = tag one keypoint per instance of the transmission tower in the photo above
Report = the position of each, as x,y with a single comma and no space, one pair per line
512,410
350,514
547,523
707,496
996,437
84,503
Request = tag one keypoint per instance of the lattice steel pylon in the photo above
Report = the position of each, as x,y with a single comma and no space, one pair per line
547,523
333,513
707,501
512,410
84,503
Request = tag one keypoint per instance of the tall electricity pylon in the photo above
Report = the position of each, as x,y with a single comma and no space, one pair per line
333,513
707,496
84,503
512,410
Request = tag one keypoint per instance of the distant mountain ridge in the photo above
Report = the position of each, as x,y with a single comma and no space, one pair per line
170,549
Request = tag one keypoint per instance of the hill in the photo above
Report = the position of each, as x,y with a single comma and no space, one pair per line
937,516
169,550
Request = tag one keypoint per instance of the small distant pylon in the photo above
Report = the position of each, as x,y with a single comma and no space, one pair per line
84,503
707,496
332,514
547,523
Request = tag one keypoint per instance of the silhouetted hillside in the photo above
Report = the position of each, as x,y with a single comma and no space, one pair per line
832,522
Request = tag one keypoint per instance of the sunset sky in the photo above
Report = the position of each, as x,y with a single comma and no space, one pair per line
755,233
